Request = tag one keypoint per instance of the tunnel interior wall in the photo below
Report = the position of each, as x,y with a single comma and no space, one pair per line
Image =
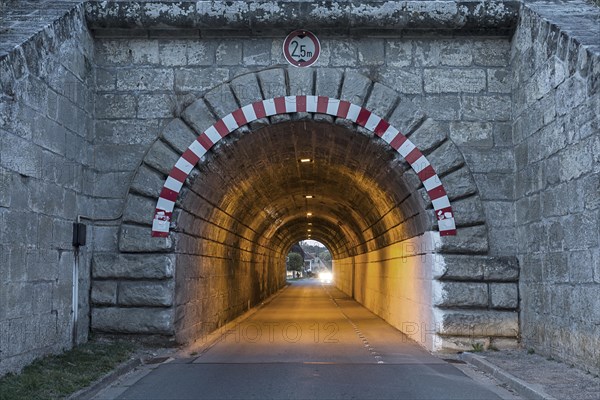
220,273
556,111
396,283
46,135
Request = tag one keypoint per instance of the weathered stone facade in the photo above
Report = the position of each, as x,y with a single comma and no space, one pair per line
556,109
504,106
46,156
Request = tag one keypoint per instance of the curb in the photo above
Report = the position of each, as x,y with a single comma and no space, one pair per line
95,387
528,390
126,367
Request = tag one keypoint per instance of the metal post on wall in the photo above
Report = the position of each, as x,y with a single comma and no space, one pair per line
79,239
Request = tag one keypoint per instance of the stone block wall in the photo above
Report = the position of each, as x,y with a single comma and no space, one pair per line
91,123
460,85
441,91
556,112
444,302
46,156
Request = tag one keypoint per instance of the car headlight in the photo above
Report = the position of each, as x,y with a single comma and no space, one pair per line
326,276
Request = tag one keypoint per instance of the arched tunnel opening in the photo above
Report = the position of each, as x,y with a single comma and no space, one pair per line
258,192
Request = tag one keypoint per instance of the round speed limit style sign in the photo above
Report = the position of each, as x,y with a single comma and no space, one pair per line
301,48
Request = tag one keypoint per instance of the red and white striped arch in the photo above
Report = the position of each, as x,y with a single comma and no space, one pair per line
313,104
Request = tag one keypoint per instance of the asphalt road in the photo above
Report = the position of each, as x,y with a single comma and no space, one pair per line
310,342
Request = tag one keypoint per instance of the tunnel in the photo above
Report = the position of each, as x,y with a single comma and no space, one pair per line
232,184
260,192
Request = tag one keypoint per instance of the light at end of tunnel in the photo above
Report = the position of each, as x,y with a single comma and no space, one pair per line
309,196
305,160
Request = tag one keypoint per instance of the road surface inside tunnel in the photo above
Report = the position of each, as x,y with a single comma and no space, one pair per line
310,342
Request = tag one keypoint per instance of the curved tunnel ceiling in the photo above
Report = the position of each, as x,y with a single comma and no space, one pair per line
360,200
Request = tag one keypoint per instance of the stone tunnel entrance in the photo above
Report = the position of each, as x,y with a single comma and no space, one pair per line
277,168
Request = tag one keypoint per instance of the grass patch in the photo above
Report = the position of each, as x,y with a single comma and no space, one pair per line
57,376
477,347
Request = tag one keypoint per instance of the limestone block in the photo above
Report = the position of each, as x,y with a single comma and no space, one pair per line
139,209
178,135
115,106
222,100
133,320
454,80
156,105
147,182
505,343
429,135
201,52
354,88
104,292
198,116
301,81
328,82
499,80
118,157
459,183
486,108
461,294
496,160
370,52
403,80
133,266
468,240
20,155
199,80
495,186
479,323
491,52
272,82
399,52
126,131
5,183
463,268
445,157
256,52
505,269
504,295
472,133
442,107
455,344
145,79
570,94
246,89
161,157
146,293
343,53
229,52
381,100
468,211
137,239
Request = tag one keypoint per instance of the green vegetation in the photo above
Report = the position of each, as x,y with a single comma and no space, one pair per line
58,376
477,347
295,262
